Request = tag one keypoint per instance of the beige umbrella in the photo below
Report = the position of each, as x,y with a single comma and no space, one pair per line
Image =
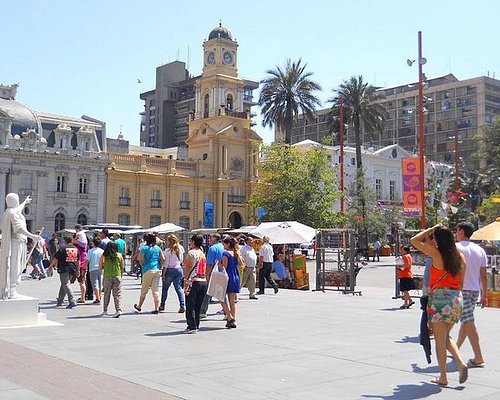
488,232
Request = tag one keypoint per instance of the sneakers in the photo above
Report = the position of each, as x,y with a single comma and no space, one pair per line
189,331
71,305
253,298
203,316
104,313
137,309
117,314
182,311
161,308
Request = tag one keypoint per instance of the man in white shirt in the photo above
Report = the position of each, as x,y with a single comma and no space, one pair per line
265,266
474,284
250,258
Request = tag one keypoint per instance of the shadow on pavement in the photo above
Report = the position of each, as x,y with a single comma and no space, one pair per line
408,339
412,391
176,333
450,367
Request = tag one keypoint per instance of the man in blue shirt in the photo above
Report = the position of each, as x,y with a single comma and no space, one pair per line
214,255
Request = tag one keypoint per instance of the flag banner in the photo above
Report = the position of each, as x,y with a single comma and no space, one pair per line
208,214
412,186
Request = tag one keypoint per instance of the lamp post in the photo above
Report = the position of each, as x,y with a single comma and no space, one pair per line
341,161
421,62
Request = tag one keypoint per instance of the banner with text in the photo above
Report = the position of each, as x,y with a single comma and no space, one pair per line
411,186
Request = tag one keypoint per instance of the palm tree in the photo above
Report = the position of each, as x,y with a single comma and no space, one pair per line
286,93
360,109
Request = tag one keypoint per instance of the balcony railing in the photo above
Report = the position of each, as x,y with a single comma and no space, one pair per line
234,198
124,201
185,204
155,203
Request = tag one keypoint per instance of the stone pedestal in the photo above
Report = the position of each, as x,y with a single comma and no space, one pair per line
21,311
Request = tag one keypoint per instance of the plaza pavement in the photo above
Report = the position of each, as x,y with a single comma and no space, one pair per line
293,345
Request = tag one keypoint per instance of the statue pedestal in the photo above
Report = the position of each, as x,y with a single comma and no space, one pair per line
21,311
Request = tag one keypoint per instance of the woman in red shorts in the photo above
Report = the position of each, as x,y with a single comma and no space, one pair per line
445,296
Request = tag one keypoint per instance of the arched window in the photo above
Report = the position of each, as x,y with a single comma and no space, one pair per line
59,222
123,219
185,222
81,219
229,102
154,220
205,106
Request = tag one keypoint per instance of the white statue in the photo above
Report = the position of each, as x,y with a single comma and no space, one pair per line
13,255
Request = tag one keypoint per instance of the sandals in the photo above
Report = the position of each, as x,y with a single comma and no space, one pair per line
472,364
439,382
463,375
411,303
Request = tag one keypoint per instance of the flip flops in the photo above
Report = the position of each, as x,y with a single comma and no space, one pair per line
439,382
472,364
463,375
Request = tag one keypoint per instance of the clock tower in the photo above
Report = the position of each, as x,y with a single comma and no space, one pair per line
220,136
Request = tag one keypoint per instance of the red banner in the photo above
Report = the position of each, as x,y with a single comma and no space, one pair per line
412,186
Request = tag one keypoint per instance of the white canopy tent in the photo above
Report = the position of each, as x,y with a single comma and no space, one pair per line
285,232
167,227
488,232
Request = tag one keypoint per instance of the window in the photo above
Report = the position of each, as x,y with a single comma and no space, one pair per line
123,219
61,184
83,187
154,220
124,199
27,181
205,106
84,145
185,222
155,199
229,102
184,204
378,188
392,190
353,161
81,219
59,222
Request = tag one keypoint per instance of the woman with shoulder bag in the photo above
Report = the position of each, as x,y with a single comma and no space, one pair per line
445,297
151,258
195,283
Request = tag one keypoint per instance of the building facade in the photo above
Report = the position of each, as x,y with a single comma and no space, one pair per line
207,186
59,161
449,103
164,121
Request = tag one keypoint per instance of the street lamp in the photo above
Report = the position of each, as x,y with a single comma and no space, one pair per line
421,151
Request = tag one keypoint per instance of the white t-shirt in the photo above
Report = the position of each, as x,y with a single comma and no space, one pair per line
475,259
171,259
249,256
82,237
266,252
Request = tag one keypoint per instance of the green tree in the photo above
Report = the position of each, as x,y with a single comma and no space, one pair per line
297,185
488,155
489,211
286,93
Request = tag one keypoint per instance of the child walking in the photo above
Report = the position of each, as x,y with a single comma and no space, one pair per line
112,264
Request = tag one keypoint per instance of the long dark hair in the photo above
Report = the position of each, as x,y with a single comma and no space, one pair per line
150,239
111,251
233,245
452,262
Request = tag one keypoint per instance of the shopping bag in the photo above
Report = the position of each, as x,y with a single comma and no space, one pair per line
217,285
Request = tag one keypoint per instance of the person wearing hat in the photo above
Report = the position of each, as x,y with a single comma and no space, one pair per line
265,265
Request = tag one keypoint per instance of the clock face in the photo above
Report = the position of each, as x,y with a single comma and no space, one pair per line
227,58
210,58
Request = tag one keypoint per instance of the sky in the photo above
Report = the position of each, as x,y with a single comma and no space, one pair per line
86,57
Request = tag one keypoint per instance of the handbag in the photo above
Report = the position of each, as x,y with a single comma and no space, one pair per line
217,284
398,260
187,281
